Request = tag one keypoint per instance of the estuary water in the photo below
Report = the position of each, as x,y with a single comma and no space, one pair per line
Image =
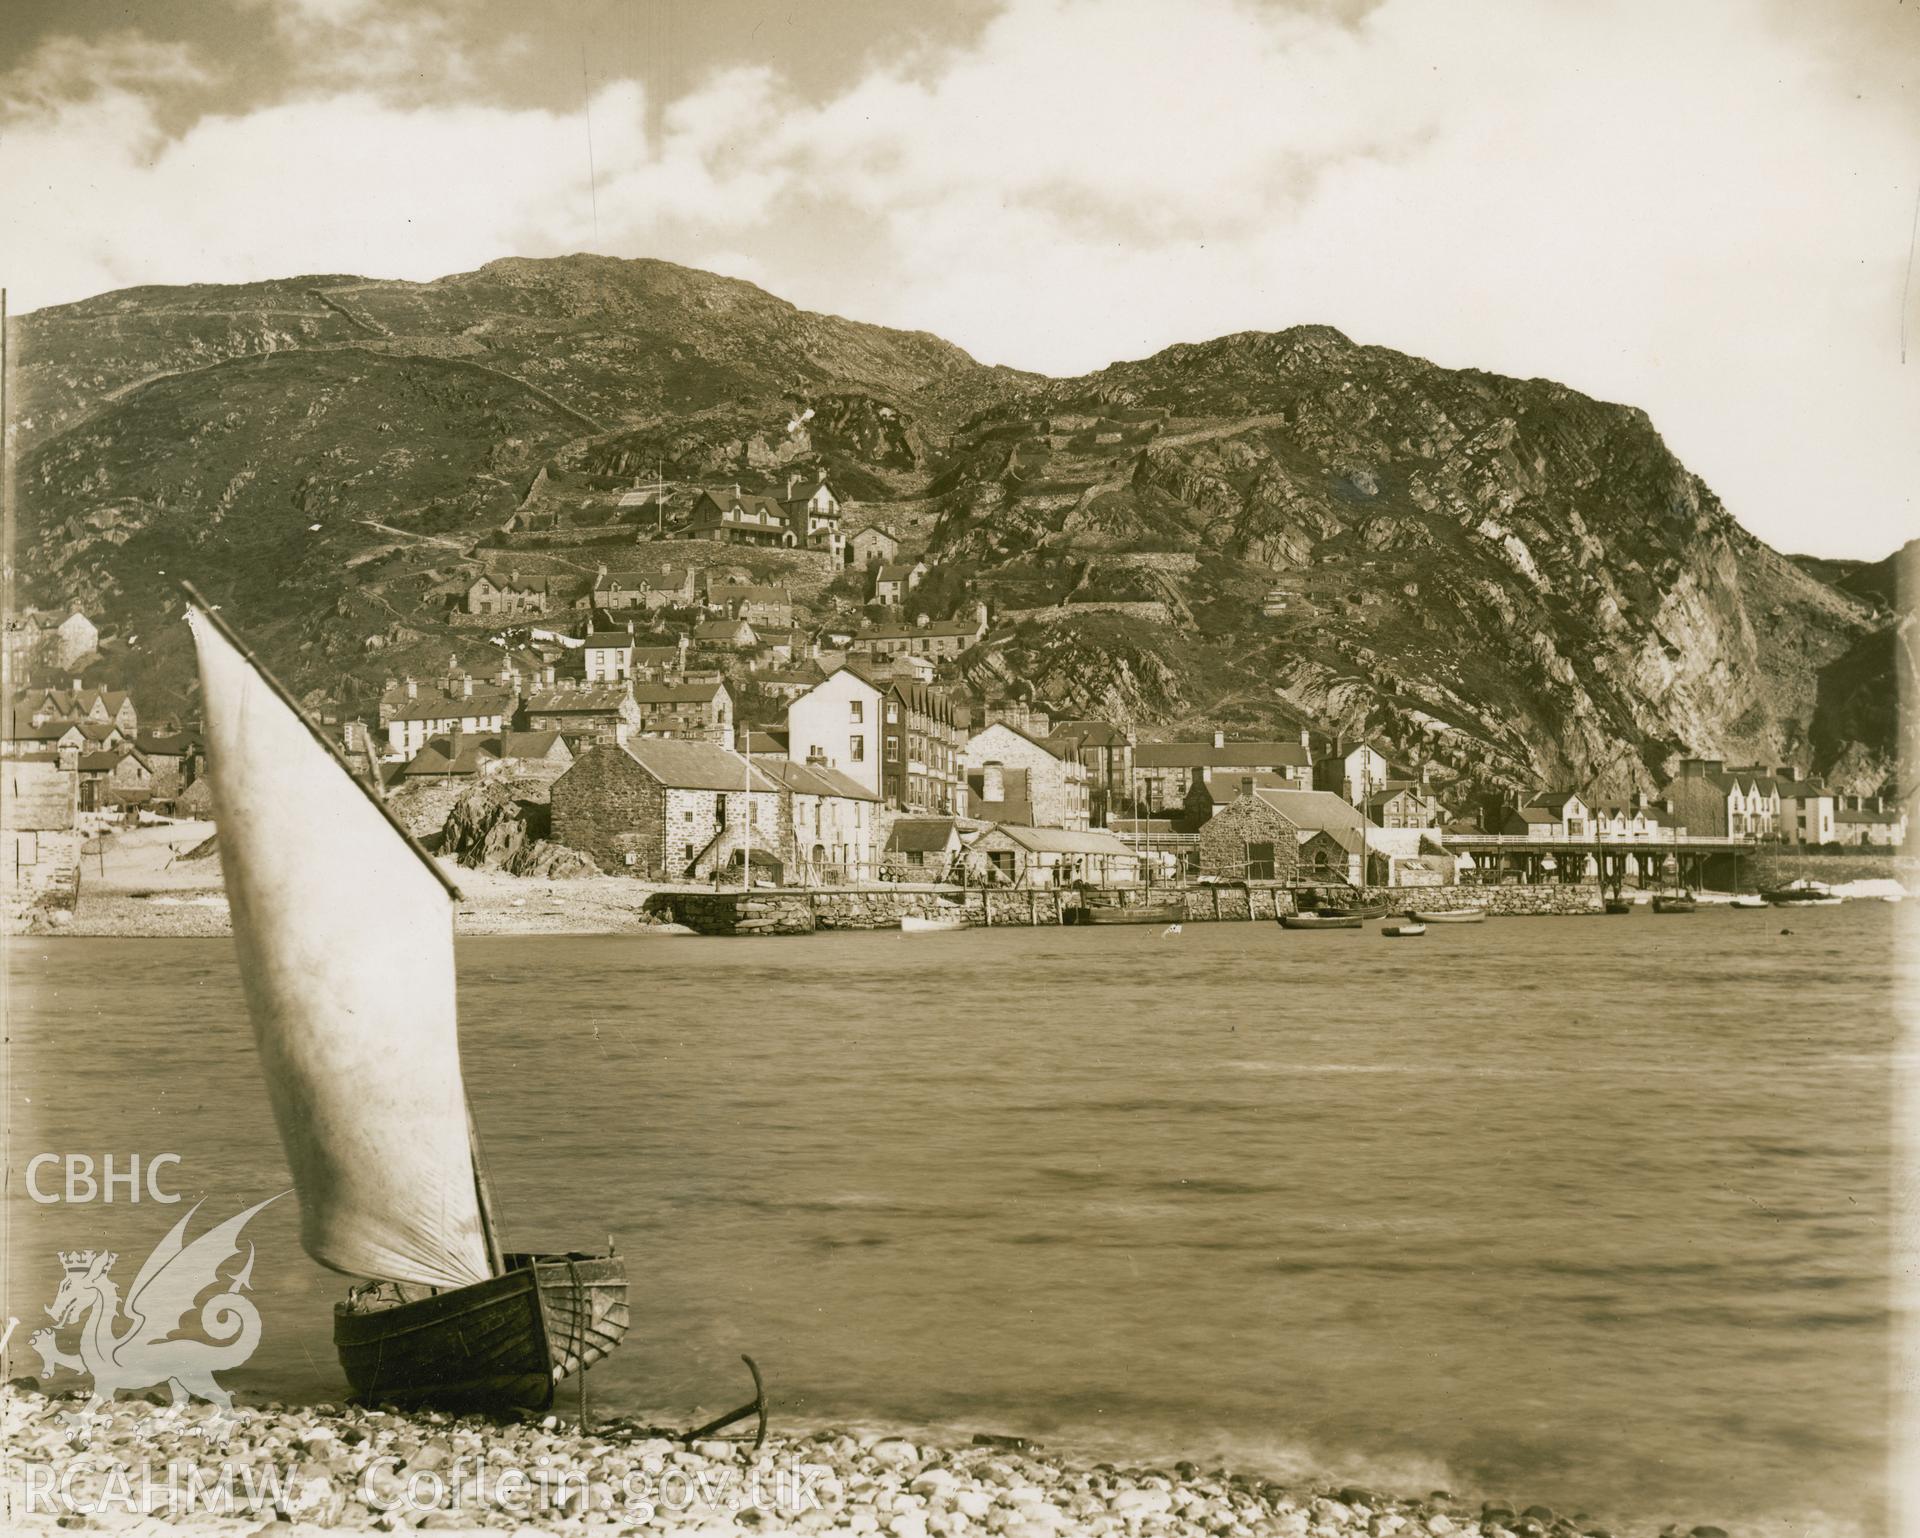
1592,1212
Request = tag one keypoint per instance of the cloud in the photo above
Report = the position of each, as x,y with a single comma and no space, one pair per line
1687,208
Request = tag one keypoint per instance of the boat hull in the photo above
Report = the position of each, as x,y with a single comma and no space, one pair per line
1139,913
1403,931
504,1343
913,924
1319,921
1618,905
1362,911
1674,905
1448,916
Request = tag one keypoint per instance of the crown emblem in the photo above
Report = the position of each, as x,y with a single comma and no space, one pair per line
75,1262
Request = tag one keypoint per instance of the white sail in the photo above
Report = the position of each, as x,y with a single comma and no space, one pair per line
345,935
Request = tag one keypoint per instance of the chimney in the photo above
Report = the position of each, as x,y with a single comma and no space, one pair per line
466,686
1219,739
1306,739
791,479
413,689
629,627
76,686
620,734
453,744
1246,785
993,781
547,676
736,491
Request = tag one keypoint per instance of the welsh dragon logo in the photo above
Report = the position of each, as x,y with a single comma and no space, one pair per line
149,1351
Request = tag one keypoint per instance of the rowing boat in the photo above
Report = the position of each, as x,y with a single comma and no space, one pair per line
1139,913
1448,915
1321,921
1407,931
914,924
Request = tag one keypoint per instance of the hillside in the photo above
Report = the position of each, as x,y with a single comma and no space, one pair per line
1500,576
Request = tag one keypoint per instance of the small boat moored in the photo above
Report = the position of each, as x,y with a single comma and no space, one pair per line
1448,915
1161,913
1619,905
1321,921
1748,900
1674,903
914,924
1407,930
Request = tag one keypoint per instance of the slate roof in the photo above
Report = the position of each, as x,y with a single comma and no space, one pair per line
436,705
812,779
1314,810
676,694
1224,784
611,638
1232,755
901,632
593,700
696,765
895,571
1061,840
921,835
720,629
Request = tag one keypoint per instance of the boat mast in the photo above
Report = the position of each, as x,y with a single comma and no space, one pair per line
483,1194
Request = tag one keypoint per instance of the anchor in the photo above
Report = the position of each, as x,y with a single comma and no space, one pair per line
757,1408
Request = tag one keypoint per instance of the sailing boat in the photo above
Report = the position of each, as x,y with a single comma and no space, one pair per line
345,931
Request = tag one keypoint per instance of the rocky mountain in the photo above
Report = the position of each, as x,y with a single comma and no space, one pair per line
1500,577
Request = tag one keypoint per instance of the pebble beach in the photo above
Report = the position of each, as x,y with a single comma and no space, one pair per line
288,1470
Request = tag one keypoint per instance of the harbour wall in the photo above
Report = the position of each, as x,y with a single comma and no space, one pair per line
785,911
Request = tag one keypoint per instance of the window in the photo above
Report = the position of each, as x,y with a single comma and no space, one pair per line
855,709
857,749
1259,862
893,712
893,746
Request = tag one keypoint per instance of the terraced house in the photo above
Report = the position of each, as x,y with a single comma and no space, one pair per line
1709,798
411,712
1165,771
899,738
934,638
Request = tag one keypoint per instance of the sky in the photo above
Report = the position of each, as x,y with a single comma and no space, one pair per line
1705,208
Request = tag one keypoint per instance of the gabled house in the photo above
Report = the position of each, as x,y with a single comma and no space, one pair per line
872,546
1332,843
740,518
937,639
1711,799
696,711
1052,857
893,580
607,655
1559,815
922,848
1357,773
587,714
509,594
725,635
1405,804
116,777
1107,752
666,809
759,604
412,712
1012,777
1165,771
829,823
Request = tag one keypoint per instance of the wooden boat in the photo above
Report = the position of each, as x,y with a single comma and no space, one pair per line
1403,931
1673,902
513,1338
1803,897
1162,913
1321,921
1619,905
1448,915
1358,911
914,924
1748,900
344,928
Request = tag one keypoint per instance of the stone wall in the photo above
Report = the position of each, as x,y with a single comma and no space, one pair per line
1778,868
606,806
1515,901
1222,849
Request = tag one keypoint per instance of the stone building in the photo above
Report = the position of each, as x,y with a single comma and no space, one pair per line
665,809
702,712
1054,785
1052,857
1249,839
938,639
1164,771
40,801
587,713
829,824
510,594
872,546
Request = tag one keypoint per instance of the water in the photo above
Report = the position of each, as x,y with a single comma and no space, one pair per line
1585,1212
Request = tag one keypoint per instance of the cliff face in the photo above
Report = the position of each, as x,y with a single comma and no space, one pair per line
1488,571
1500,576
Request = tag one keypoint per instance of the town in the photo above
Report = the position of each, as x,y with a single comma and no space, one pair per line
686,723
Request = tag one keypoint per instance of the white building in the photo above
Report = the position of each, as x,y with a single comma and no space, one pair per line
837,723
